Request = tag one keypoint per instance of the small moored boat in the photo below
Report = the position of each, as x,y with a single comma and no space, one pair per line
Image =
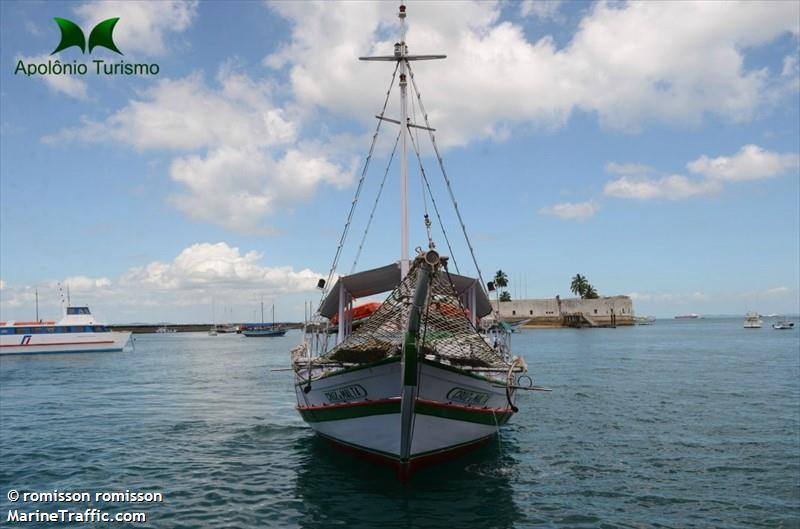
264,330
783,325
753,321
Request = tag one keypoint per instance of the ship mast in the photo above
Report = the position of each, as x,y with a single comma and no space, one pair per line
402,57
403,51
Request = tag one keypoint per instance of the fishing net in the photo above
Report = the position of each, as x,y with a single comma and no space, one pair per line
446,333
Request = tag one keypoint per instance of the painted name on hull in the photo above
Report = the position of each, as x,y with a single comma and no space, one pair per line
346,393
468,396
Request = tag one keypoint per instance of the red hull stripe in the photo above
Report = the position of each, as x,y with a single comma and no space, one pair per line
416,462
55,343
337,412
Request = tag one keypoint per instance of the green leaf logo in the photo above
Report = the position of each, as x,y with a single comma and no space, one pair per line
103,35
72,35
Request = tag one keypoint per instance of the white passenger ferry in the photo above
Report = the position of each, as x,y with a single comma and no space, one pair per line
77,332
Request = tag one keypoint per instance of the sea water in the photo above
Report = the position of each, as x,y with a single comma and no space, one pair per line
679,424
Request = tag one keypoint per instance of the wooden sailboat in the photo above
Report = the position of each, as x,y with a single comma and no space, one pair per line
416,381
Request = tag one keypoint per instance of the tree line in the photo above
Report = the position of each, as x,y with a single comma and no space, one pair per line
579,286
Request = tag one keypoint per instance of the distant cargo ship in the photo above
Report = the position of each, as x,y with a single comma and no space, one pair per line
691,316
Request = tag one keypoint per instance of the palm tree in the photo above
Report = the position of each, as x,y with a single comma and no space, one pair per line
578,285
501,279
590,293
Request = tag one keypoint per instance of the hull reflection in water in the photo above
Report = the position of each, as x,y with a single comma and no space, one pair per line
476,490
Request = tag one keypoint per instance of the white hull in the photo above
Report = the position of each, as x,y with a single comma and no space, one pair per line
88,342
361,409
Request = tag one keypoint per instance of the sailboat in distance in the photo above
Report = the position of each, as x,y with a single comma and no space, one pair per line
419,379
264,330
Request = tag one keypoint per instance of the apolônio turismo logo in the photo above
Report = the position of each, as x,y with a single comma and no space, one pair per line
72,35
102,36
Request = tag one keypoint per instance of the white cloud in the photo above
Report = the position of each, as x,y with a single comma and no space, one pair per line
629,63
250,163
70,85
750,163
236,187
572,211
143,26
33,29
630,169
790,66
84,283
197,274
542,9
241,155
641,182
776,292
672,187
218,267
186,114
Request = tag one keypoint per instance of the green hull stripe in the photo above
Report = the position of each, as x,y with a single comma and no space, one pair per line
384,408
410,360
349,412
456,414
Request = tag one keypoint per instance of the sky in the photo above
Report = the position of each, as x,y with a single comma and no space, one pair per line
653,147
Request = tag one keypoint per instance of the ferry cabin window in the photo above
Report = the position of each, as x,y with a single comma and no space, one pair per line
78,310
76,329
51,330
22,330
6,331
88,328
98,328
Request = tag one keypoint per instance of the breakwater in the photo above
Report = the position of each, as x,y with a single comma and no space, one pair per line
146,328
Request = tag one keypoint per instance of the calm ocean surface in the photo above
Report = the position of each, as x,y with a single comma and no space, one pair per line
680,424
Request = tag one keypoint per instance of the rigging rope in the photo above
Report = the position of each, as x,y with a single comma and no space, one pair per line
375,205
422,179
446,178
358,190
435,206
